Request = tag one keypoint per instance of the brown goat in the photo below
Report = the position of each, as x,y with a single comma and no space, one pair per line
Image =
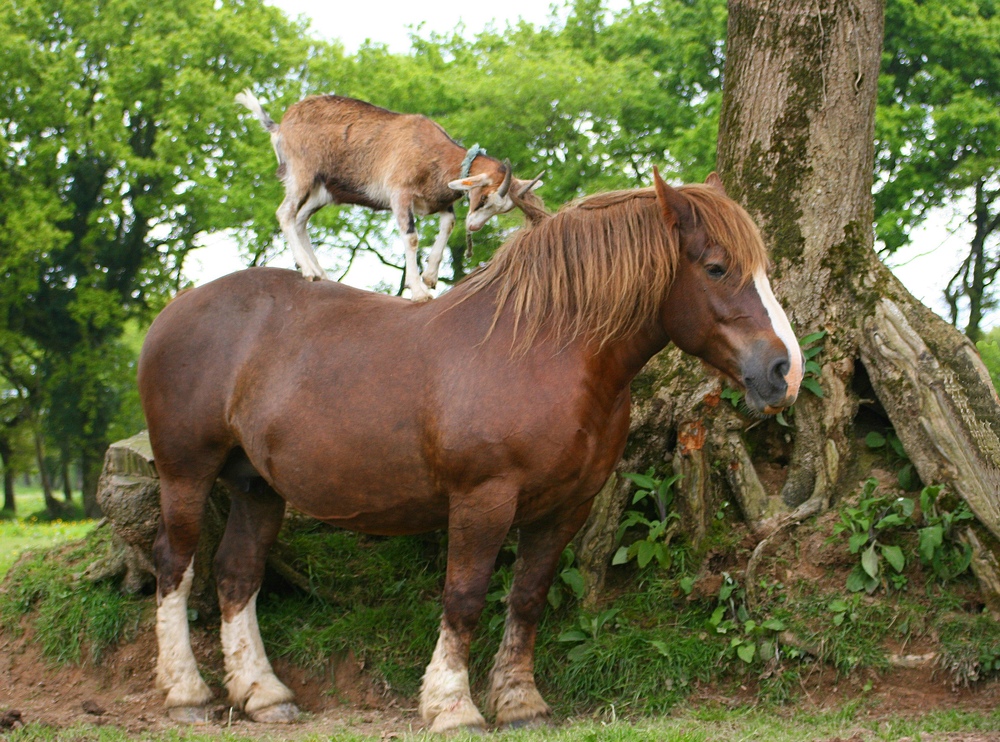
340,150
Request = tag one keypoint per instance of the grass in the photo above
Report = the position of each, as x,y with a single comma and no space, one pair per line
74,620
701,725
30,528
380,598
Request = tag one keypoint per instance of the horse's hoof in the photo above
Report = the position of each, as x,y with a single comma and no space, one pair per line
189,714
535,722
279,713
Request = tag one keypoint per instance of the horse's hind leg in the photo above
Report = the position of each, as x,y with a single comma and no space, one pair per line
254,520
182,503
513,697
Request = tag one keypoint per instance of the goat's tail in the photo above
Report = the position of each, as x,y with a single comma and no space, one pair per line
249,100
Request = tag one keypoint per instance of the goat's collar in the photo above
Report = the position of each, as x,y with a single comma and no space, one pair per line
474,151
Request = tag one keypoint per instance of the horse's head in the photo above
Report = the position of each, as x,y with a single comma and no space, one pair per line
720,306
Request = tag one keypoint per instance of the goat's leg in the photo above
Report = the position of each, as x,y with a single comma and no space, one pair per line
513,697
254,520
402,209
293,215
446,224
477,525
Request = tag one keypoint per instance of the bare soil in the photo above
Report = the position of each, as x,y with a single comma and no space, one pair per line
120,693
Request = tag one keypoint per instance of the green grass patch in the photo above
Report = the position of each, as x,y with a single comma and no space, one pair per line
73,620
32,526
700,725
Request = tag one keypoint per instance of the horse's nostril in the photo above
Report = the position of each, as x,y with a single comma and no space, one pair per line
779,369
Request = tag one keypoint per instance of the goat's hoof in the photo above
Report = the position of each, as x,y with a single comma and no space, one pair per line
429,282
279,713
189,714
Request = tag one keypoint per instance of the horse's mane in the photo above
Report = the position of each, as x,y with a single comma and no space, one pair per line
602,265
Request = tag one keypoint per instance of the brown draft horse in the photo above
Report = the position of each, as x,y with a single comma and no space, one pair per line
504,403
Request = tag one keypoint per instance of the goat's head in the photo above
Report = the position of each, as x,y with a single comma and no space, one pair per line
490,193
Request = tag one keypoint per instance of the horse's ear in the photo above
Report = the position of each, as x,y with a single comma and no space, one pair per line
715,182
672,203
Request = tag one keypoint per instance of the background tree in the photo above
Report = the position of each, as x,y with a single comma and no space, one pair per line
116,123
938,137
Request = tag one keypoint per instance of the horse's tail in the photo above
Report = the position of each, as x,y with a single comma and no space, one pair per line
249,100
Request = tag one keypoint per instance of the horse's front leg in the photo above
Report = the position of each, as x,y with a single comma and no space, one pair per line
476,530
513,697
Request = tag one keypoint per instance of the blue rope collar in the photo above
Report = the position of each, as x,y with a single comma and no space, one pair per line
474,151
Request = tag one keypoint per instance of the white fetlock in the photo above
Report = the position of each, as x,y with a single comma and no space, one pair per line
516,701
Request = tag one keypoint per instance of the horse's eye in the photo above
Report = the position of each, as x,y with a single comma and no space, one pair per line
715,270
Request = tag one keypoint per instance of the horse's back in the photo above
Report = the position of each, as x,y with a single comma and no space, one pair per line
230,342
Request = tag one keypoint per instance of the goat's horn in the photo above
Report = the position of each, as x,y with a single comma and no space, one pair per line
505,186
530,185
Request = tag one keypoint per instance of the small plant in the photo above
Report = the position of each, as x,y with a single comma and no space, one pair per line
568,580
939,546
585,637
659,529
867,525
812,370
748,638
895,455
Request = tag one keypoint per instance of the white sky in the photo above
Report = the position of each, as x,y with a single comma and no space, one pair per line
924,268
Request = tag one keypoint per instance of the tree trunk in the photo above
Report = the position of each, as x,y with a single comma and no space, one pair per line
6,454
90,470
51,504
796,148
67,481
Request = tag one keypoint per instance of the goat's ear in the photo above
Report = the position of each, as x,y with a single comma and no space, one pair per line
715,182
473,181
523,187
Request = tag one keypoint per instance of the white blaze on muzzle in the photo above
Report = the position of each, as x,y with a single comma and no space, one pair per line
781,327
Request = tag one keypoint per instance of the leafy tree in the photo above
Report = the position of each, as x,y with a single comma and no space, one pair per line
118,144
938,136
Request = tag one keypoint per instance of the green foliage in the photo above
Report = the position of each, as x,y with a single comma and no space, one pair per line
875,519
989,351
970,647
880,518
586,634
895,455
383,602
73,621
659,529
568,580
938,134
811,347
749,640
939,545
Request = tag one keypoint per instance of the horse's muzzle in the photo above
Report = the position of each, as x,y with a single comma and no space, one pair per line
767,385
